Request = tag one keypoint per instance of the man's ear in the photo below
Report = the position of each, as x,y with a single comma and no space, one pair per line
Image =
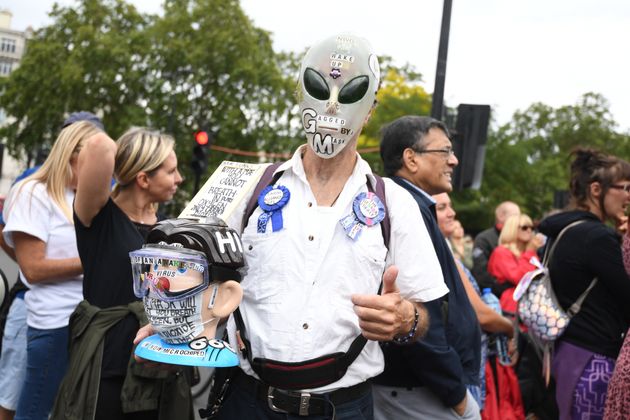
409,162
228,298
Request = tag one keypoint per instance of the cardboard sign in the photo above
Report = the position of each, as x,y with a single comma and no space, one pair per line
224,190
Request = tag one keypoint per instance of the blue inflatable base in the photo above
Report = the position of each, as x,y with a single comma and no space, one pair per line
216,353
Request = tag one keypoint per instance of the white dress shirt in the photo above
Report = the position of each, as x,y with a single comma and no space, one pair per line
297,291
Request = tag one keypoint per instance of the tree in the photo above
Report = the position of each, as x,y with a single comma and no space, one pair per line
401,93
90,58
201,65
212,69
527,159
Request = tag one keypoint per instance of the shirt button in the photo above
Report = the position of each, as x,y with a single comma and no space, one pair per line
250,247
310,237
394,394
305,326
309,204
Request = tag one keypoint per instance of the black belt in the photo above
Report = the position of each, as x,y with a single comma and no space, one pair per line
296,402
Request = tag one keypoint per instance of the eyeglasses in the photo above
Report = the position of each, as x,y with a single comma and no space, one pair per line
625,187
447,151
526,228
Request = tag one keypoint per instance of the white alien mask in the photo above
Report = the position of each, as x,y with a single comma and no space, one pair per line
339,78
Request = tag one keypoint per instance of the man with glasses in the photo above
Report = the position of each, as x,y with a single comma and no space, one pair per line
438,377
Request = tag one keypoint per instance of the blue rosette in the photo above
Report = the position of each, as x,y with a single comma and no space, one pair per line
271,200
367,210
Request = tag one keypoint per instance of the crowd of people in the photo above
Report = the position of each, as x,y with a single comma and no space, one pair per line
372,275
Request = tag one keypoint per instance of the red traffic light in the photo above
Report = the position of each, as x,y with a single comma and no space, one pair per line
202,138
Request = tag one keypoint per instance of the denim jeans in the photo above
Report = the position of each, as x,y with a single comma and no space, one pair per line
242,405
46,363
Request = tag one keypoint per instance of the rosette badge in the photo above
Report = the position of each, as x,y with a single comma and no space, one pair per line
367,210
271,200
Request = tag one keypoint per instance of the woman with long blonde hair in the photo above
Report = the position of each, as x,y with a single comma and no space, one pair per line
39,227
511,259
109,224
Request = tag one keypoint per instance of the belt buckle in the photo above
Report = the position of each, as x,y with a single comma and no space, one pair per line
305,398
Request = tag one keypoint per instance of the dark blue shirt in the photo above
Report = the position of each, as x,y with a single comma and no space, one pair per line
448,357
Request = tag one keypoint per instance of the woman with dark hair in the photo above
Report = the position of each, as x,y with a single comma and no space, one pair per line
584,356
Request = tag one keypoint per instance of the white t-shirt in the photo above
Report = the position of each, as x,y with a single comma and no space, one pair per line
29,209
297,291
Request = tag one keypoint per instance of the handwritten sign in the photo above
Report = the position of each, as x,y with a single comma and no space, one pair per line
224,190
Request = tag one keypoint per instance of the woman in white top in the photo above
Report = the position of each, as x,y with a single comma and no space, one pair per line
39,226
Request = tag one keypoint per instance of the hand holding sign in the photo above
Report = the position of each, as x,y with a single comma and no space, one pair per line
381,317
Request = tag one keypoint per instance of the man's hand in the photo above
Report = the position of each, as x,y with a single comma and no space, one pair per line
621,224
460,408
381,317
142,333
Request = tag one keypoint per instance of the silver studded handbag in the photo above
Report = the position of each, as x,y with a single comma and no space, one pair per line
538,307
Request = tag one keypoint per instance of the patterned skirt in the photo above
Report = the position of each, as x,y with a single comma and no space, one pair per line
582,379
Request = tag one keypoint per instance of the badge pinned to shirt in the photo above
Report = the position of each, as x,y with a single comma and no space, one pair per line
271,200
367,210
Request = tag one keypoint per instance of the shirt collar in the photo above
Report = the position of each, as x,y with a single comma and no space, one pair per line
415,187
361,168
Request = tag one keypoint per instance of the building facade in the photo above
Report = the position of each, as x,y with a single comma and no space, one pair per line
12,47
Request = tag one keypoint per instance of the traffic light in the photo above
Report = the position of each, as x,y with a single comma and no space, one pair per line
199,161
202,138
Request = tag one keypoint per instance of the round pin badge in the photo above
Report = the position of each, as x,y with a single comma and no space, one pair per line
368,208
273,197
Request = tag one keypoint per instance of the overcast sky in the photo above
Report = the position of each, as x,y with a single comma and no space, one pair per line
505,53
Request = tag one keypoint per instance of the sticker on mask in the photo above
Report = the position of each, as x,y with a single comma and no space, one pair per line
374,67
342,57
335,72
344,43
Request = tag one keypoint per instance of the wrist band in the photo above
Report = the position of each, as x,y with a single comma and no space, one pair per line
407,337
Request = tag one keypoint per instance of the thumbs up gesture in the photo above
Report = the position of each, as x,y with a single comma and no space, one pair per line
381,317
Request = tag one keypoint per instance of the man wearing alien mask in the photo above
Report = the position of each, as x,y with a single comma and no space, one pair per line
336,258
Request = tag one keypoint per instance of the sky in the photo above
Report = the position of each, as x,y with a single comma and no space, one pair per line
508,54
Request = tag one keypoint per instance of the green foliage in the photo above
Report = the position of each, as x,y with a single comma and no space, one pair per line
211,69
201,65
204,65
527,160
89,59
400,94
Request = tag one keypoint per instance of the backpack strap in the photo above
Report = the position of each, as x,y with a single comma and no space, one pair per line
265,180
577,305
322,370
379,190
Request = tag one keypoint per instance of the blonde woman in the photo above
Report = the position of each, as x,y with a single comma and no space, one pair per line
39,227
461,244
108,225
511,259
